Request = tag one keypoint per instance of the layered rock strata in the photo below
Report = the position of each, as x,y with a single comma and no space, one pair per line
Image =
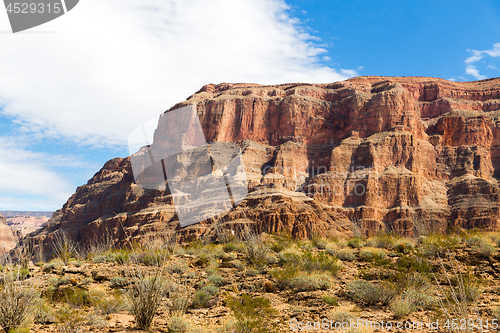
374,153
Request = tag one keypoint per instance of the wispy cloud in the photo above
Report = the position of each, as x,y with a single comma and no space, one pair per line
27,174
478,56
110,65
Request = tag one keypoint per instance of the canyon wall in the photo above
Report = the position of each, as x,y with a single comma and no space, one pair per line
377,153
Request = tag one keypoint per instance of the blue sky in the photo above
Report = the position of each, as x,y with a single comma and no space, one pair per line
73,89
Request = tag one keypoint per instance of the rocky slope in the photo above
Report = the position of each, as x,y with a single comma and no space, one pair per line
8,236
377,152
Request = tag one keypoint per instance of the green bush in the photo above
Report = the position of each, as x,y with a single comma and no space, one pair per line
238,264
330,300
216,280
211,290
355,243
177,268
402,307
369,294
319,243
17,303
310,283
251,272
201,298
346,255
253,314
151,258
330,251
370,255
319,262
284,276
341,316
282,242
178,325
231,247
118,282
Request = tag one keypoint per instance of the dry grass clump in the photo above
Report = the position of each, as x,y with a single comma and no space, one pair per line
310,282
346,255
146,296
17,302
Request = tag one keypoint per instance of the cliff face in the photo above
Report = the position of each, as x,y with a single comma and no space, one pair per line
380,151
8,236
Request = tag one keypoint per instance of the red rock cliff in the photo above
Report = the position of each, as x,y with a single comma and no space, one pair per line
382,151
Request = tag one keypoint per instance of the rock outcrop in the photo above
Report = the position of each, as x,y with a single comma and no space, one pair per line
8,237
379,152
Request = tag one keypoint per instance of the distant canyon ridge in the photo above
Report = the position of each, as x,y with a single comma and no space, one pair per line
14,225
368,154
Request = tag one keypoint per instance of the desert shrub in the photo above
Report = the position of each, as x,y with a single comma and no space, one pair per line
121,257
151,258
318,243
64,247
78,297
146,295
401,307
103,258
371,255
69,320
330,300
178,268
383,240
86,281
331,251
480,246
43,312
437,245
459,301
413,264
178,295
201,298
231,247
216,280
369,294
310,283
284,276
178,325
107,305
52,266
252,272
355,243
341,316
211,290
255,249
272,260
346,255
420,298
17,303
252,314
118,282
319,262
238,264
495,238
281,242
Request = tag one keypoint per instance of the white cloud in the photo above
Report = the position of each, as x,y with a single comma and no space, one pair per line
472,70
24,173
478,56
110,65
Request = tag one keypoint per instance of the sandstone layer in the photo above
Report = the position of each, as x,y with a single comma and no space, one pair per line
369,153
8,236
